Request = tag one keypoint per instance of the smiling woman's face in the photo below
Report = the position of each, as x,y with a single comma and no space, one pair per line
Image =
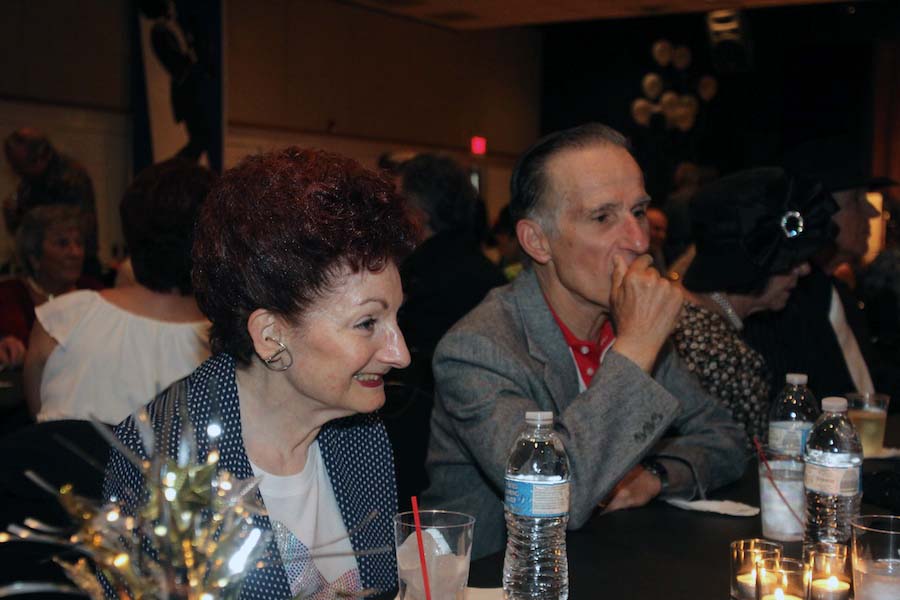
346,342
62,257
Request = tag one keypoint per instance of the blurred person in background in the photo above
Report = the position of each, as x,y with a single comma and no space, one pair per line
754,232
104,354
447,275
822,331
444,278
881,291
50,250
659,225
48,177
295,265
507,243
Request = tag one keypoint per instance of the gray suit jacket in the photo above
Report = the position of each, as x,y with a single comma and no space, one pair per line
507,357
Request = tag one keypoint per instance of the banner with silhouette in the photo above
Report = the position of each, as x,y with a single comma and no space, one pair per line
179,84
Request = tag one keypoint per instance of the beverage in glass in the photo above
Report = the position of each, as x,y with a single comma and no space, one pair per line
868,413
781,497
447,545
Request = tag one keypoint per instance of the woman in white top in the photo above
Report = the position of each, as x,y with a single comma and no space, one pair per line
103,355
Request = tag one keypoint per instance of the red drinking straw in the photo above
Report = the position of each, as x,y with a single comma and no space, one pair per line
415,507
771,477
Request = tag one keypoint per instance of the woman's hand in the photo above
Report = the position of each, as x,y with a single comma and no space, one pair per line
12,351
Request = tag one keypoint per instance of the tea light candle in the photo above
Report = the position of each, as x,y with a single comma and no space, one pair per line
780,595
831,588
747,583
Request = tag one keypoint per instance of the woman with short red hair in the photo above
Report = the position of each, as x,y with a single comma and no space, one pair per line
295,264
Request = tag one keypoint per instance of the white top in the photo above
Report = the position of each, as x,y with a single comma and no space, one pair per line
110,362
856,364
306,521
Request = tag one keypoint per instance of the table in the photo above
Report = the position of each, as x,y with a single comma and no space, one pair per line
13,411
659,551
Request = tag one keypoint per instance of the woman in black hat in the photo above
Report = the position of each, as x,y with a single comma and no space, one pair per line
754,231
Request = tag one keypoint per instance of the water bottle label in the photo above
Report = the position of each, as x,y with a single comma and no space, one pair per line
834,481
788,437
537,498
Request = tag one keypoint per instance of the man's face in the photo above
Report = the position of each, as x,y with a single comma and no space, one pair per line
659,227
852,220
600,203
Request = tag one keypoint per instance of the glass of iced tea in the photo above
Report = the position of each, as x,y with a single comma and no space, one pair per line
868,412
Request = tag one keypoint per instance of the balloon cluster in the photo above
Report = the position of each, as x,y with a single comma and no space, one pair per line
679,111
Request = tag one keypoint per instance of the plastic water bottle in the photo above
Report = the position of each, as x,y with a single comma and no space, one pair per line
833,474
537,512
792,416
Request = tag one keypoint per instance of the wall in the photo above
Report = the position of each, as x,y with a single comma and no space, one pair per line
244,140
323,66
309,72
810,78
68,52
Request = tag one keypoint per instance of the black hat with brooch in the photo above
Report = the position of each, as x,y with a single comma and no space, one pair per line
754,224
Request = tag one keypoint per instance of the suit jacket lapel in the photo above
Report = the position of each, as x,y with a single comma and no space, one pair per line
361,488
213,395
545,341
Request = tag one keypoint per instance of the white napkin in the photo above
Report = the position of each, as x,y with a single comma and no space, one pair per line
484,593
724,507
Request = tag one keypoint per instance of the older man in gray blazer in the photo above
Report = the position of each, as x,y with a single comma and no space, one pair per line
583,333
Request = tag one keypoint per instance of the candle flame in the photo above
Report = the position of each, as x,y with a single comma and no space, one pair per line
779,595
832,583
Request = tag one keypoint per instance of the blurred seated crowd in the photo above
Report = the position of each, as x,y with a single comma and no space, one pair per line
363,336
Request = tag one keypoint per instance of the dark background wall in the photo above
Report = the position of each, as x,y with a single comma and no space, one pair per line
810,77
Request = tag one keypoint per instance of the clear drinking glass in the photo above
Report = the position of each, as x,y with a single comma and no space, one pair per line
782,501
447,541
868,413
876,557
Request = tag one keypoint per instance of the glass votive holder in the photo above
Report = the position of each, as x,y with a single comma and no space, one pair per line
781,579
824,548
830,574
744,555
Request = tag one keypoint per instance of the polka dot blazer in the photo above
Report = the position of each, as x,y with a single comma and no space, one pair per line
356,452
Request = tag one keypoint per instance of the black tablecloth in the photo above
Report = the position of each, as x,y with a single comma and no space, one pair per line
662,552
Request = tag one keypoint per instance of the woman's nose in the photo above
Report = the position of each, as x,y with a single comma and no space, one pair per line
394,352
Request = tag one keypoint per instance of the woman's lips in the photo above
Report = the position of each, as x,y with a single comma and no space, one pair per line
369,380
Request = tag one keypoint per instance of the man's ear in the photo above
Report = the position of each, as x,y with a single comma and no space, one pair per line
265,329
534,240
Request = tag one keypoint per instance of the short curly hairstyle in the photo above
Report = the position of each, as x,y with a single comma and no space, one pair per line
278,229
158,211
